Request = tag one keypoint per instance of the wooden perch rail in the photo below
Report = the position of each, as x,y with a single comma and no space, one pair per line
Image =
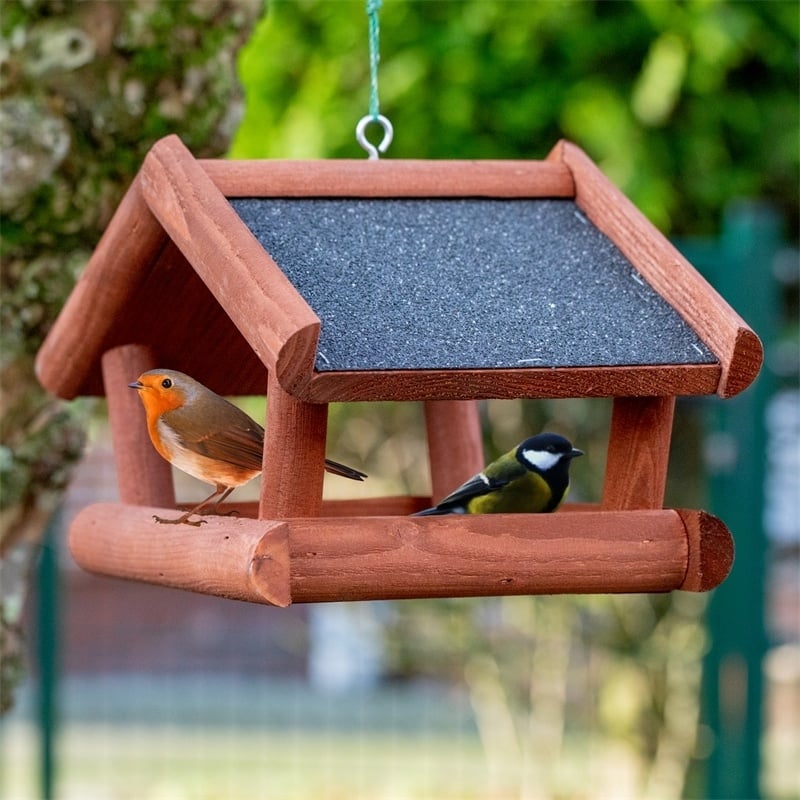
369,558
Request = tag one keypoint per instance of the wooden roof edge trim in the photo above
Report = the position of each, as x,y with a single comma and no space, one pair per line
747,356
726,334
129,246
545,382
298,351
390,178
256,295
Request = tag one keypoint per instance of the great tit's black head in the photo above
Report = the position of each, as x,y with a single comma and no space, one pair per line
545,451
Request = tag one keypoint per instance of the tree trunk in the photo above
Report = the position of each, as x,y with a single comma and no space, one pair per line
87,88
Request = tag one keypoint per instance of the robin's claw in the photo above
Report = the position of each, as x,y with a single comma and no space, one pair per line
179,520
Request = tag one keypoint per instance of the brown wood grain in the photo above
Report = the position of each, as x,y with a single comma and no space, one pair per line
389,178
120,263
174,312
267,309
455,444
726,334
370,558
479,384
711,551
294,456
216,558
144,478
394,506
458,555
391,506
638,452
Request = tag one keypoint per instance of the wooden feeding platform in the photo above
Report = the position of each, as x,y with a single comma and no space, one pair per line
442,282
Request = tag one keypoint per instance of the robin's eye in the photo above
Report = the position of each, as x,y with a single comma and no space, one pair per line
166,383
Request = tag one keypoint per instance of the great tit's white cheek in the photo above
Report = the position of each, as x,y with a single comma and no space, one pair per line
541,459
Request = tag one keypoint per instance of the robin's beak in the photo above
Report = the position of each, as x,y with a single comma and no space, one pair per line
136,385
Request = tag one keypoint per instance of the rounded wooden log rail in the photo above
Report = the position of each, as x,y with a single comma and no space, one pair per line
324,559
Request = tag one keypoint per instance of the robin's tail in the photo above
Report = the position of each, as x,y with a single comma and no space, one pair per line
335,468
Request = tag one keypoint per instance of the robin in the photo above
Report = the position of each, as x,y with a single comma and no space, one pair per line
204,435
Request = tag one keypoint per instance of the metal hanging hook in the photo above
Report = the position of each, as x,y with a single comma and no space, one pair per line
374,152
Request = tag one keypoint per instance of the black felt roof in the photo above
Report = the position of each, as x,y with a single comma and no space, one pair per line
466,283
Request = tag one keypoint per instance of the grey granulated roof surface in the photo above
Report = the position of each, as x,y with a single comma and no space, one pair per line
466,283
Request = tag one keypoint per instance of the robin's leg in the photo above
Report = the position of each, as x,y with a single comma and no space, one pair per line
215,510
184,518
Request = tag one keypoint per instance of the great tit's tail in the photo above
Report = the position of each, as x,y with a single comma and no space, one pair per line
430,512
335,468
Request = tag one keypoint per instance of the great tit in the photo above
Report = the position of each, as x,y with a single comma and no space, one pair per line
532,478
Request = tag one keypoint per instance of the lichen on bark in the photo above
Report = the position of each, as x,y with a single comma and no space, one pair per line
86,90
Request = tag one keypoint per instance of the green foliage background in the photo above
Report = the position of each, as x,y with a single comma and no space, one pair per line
684,105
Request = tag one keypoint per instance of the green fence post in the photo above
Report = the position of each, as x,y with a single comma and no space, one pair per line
736,448
47,656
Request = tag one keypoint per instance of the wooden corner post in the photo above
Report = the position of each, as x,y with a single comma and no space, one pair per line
143,477
294,456
638,453
455,446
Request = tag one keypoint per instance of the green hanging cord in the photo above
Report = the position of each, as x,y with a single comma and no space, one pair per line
373,7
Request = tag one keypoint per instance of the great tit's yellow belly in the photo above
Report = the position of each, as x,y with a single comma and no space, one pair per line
529,494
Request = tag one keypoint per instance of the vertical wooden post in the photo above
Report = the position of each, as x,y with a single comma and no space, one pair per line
294,456
638,453
143,476
455,446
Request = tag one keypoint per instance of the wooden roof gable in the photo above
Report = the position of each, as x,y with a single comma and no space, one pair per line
183,268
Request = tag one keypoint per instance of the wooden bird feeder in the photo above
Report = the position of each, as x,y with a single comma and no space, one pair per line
340,281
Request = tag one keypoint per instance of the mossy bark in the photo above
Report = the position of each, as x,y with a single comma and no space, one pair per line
86,89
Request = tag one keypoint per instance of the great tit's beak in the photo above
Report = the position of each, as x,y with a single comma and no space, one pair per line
574,453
